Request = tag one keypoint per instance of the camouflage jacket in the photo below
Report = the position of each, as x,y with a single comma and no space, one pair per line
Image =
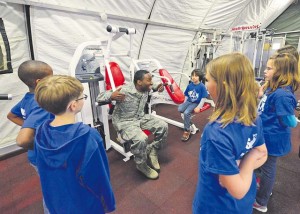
131,110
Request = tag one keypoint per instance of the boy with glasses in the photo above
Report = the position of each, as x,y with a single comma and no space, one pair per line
71,159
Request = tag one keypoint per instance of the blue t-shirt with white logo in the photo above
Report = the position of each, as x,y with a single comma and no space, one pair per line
271,108
220,150
33,116
195,92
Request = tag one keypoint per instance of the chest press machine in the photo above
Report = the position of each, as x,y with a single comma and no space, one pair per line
175,96
89,59
92,57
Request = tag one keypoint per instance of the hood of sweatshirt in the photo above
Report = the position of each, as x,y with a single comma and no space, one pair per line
54,145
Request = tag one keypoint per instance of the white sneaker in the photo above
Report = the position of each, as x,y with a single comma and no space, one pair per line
182,116
259,207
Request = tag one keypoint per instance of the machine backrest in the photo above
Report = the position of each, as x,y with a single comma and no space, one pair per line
117,74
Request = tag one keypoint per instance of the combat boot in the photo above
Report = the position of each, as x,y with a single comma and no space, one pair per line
147,171
154,159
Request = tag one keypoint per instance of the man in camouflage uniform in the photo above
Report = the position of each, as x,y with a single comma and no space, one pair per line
129,119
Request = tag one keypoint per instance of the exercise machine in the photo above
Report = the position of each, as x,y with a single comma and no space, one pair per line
257,44
203,48
174,94
89,61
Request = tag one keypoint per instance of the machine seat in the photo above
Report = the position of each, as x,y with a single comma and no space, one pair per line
176,94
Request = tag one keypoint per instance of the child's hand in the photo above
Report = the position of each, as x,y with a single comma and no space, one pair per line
160,87
261,91
255,155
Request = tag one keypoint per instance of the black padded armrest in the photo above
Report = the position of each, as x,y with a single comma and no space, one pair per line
101,103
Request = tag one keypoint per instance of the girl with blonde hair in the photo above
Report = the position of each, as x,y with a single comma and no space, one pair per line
232,145
276,109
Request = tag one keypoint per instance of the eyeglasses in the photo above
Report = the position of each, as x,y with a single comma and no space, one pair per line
81,98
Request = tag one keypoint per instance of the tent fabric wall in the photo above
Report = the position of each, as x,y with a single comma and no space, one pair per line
289,21
165,29
14,22
176,43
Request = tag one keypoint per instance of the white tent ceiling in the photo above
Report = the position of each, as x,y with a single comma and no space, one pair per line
165,30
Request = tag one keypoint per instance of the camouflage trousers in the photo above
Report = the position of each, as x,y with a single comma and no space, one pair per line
133,130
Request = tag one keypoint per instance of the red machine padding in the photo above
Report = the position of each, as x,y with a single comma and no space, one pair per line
117,74
147,132
177,96
205,107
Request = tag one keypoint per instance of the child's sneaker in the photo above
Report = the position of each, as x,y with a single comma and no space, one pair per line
298,106
259,207
182,116
186,136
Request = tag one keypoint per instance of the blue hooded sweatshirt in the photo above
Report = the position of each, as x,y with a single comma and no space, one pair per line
73,169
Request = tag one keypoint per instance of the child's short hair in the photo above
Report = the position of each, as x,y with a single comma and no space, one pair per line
289,49
200,73
54,93
236,89
286,71
32,70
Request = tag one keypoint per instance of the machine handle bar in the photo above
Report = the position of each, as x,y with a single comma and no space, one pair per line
5,96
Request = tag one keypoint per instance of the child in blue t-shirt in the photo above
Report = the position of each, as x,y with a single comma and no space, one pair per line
27,112
232,145
276,109
71,158
194,92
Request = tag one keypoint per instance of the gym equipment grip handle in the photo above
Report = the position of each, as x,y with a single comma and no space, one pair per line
172,89
5,96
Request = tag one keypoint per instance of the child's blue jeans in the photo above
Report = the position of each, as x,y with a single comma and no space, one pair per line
187,108
267,180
